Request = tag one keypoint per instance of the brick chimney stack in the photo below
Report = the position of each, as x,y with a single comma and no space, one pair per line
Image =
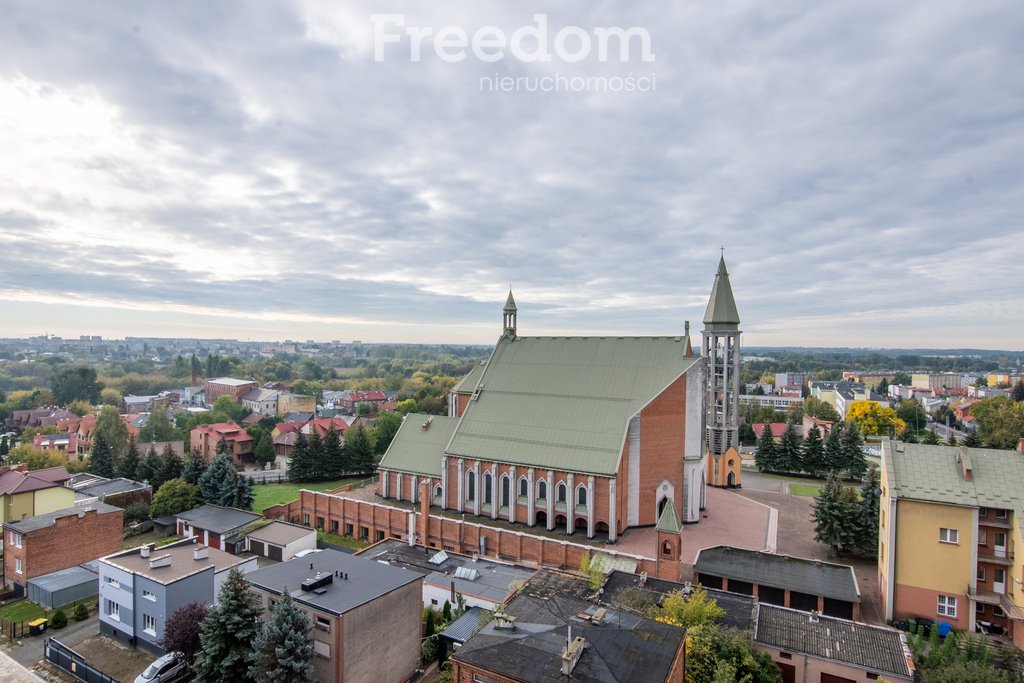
423,523
1020,445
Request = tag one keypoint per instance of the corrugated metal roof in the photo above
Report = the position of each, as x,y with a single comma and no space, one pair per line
468,383
565,401
827,579
418,450
932,473
463,628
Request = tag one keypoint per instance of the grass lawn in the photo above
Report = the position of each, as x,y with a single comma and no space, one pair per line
275,494
25,610
335,539
811,490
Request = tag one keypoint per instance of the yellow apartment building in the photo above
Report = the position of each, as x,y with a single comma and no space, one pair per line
948,527
27,494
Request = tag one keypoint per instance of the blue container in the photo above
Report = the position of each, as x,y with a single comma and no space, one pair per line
944,628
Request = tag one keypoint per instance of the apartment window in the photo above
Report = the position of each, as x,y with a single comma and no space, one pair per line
979,608
364,533
305,519
334,526
480,678
320,523
433,601
17,565
380,536
981,573
113,610
982,538
1001,514
946,606
148,596
949,535
997,611
348,529
983,512
16,539
271,604
149,624
114,583
323,624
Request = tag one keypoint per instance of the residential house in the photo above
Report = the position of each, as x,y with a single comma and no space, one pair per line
24,494
936,379
135,405
776,427
322,425
43,416
356,606
205,440
142,587
824,426
261,401
214,525
295,403
227,386
121,492
350,400
949,526
62,443
58,540
280,540
552,630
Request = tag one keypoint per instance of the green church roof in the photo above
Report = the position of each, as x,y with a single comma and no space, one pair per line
669,520
417,450
721,312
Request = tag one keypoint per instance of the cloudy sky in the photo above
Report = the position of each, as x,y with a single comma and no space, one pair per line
277,170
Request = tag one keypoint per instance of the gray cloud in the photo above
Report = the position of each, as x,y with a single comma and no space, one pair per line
858,160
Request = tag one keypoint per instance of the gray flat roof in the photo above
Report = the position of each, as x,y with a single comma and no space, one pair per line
876,648
109,487
836,581
65,578
30,524
183,563
281,533
367,580
218,519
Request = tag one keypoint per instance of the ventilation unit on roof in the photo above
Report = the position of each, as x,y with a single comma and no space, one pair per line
439,558
318,581
467,573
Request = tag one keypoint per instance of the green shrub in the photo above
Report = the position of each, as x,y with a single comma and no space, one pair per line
59,619
81,612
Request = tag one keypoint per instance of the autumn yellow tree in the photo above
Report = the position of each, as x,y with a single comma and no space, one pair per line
690,610
874,418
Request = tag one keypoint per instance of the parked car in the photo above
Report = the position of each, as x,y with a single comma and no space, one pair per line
170,667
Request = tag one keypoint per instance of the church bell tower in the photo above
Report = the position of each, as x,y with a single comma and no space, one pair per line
721,351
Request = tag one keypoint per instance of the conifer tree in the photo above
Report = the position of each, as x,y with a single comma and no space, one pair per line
101,459
129,464
790,450
298,464
359,450
315,448
170,465
148,470
283,648
930,438
833,521
814,452
767,457
193,468
218,477
834,449
228,633
334,455
972,440
264,452
854,461
867,514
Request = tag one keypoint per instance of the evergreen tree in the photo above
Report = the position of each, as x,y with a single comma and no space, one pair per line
814,452
790,450
283,648
854,461
867,514
834,449
170,465
1018,391
930,438
834,523
951,438
228,633
212,483
129,464
972,440
237,493
193,468
298,465
222,447
264,452
315,449
334,454
5,448
766,458
148,469
359,450
908,435
883,387
101,459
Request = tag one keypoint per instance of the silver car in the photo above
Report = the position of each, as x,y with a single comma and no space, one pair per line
170,667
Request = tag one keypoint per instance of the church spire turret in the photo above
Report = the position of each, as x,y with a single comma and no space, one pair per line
721,312
509,316
721,351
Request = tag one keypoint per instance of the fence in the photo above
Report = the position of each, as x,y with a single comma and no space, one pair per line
59,654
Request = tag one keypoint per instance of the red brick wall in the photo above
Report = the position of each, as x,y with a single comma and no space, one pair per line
215,391
71,541
662,444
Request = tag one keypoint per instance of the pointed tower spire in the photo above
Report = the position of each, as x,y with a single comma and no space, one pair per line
721,313
688,351
509,316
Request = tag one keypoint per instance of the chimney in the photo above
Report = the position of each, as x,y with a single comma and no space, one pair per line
1020,445
426,425
964,459
145,550
572,652
200,552
160,561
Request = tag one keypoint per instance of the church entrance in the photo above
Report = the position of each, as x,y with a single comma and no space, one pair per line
731,480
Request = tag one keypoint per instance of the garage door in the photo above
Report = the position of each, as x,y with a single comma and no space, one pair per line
257,547
275,552
788,672
831,678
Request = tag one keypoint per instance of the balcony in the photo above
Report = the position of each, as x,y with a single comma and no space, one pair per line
993,556
994,522
986,597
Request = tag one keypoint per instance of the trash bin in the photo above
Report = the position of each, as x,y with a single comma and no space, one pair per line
944,628
37,626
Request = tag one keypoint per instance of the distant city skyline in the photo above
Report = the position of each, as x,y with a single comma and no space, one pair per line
181,170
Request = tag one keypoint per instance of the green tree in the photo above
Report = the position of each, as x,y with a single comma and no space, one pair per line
1000,421
228,633
912,413
315,448
299,466
284,650
358,449
854,461
111,427
264,451
220,484
815,407
129,464
158,427
75,384
333,454
883,387
1018,391
867,514
790,450
972,440
767,456
80,407
902,379
814,452
101,460
176,495
931,438
383,431
715,653
833,519
193,468
697,608
171,465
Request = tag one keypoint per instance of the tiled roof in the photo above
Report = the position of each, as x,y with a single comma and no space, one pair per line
875,648
13,481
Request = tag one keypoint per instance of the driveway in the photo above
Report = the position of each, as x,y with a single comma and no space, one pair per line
29,650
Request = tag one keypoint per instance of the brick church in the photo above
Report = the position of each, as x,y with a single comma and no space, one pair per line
582,435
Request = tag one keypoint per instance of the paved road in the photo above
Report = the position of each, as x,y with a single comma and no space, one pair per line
31,649
940,429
